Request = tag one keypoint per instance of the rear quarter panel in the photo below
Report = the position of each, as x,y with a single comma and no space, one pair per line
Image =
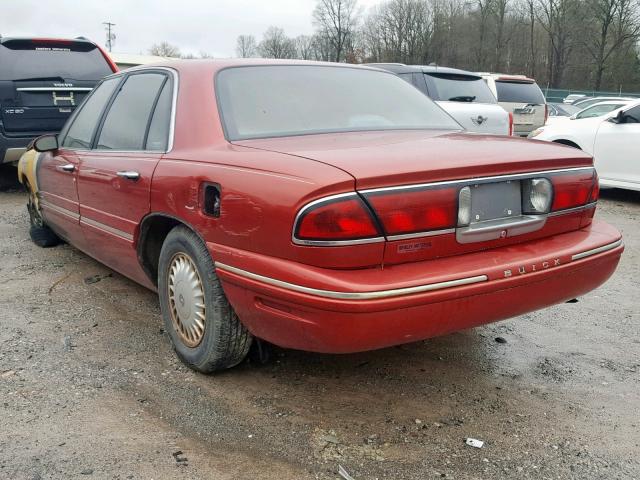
261,192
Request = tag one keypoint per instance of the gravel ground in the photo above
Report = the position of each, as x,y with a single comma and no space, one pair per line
90,388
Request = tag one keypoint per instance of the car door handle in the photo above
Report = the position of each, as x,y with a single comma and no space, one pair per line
69,167
129,174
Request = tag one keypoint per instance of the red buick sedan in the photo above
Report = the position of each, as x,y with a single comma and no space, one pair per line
323,207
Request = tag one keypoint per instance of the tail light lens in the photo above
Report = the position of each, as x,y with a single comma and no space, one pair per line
537,194
595,190
419,210
510,124
345,218
572,190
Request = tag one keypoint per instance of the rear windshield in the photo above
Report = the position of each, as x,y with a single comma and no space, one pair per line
458,88
25,59
284,100
519,92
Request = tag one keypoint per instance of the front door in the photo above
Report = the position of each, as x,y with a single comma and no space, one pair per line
57,172
114,180
616,151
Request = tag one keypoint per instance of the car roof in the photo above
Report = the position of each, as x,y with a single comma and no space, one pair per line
402,68
76,40
612,102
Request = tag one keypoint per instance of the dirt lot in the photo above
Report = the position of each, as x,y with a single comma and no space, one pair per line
90,388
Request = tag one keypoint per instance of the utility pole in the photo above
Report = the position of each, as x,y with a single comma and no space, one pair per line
110,35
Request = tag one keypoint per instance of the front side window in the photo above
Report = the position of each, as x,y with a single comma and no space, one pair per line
597,110
126,123
632,115
83,125
519,92
453,87
285,100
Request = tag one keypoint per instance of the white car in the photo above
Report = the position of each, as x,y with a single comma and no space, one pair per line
597,110
463,95
613,140
569,99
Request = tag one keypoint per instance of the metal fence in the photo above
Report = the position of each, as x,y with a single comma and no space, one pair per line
558,94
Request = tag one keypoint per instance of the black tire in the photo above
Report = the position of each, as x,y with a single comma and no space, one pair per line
43,236
225,342
39,232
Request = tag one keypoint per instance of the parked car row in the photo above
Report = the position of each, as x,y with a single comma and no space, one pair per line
325,207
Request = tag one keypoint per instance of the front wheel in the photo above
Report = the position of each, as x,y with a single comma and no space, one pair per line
206,333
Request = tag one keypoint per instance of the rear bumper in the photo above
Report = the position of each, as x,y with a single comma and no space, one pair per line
12,148
339,311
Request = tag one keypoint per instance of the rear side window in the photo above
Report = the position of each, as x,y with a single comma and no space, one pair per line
23,59
519,92
83,126
158,135
448,87
126,123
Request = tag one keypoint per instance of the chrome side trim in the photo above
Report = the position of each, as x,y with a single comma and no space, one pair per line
467,181
329,243
60,210
572,210
353,295
107,228
54,89
431,233
595,251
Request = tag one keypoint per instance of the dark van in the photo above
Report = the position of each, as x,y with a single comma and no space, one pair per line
42,81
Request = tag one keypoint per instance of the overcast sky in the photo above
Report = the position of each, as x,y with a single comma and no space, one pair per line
210,26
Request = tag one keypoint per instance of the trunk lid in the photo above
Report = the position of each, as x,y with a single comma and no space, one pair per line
381,159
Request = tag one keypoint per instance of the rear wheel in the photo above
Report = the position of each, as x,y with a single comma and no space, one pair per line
39,232
205,331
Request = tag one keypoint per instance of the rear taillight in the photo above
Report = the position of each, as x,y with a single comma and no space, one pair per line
510,123
537,194
337,219
571,190
419,210
595,190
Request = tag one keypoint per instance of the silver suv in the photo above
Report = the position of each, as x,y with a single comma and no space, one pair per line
521,96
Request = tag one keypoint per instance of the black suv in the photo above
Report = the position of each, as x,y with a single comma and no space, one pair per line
42,81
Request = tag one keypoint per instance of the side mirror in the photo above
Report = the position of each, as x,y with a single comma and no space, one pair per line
46,143
573,117
619,118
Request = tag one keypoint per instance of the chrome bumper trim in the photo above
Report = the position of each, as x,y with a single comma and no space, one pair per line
595,251
353,295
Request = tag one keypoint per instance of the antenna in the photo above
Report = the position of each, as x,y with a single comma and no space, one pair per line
111,37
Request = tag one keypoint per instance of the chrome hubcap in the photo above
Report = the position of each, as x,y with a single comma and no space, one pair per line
186,300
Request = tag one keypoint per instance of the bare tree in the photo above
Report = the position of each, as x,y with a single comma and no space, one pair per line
558,18
275,44
616,23
304,47
337,20
164,49
246,46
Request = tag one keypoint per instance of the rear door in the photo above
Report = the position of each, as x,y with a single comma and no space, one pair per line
468,99
616,151
114,181
57,172
524,99
42,82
